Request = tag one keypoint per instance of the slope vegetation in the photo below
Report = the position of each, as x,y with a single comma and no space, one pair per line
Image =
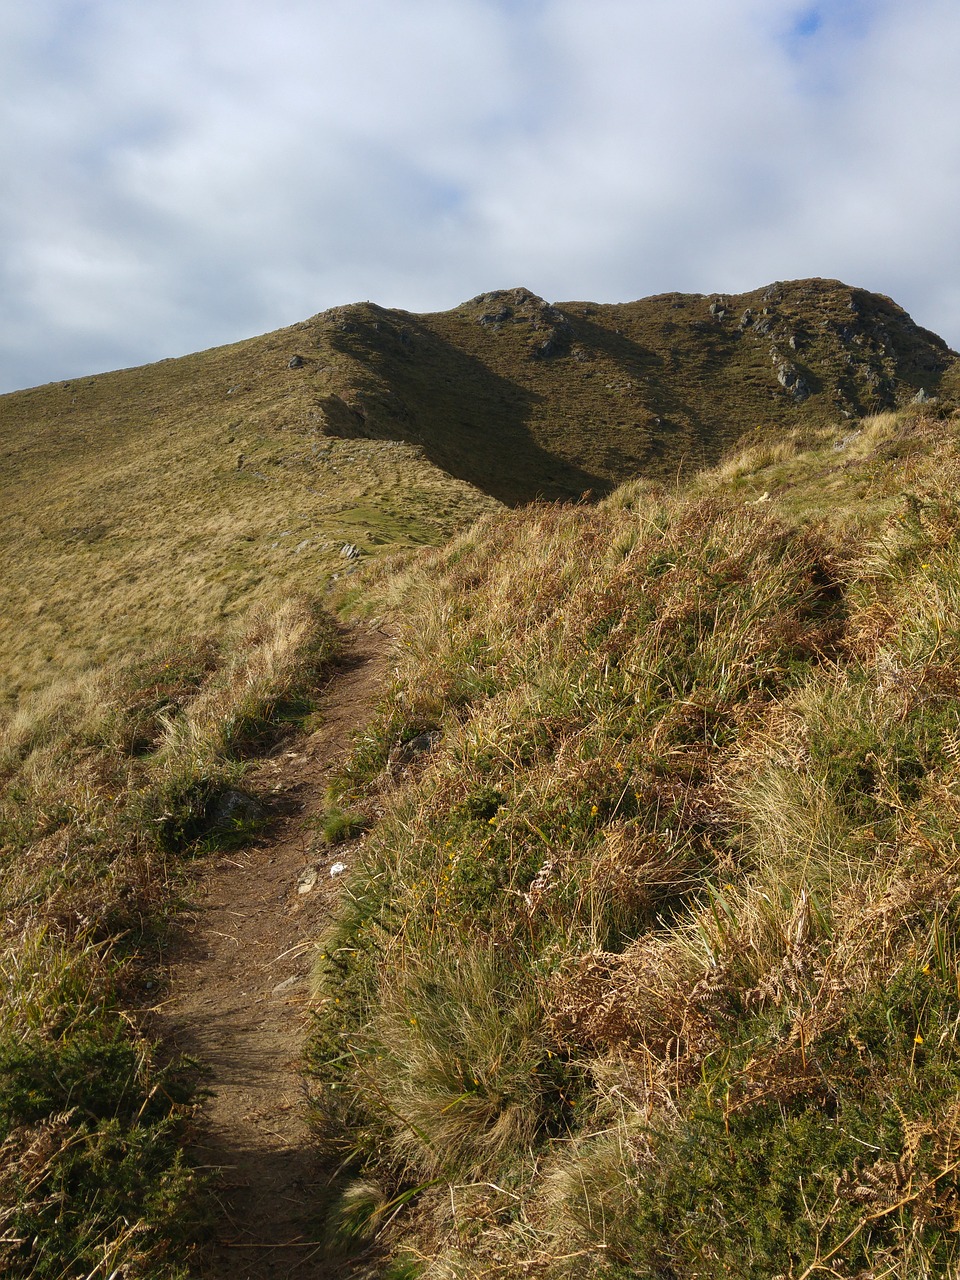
646,962
182,494
649,966
186,490
529,400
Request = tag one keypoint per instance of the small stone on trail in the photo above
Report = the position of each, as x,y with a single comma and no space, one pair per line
338,869
233,807
308,880
404,753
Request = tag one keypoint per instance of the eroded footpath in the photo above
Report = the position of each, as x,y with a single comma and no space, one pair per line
238,986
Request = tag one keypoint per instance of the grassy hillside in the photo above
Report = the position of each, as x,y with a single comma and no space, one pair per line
110,789
182,494
646,965
649,967
529,400
187,490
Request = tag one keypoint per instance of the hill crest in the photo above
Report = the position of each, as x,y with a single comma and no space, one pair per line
526,398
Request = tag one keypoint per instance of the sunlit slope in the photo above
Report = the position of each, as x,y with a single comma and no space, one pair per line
646,965
183,492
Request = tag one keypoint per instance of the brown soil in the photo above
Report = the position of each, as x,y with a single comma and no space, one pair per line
238,986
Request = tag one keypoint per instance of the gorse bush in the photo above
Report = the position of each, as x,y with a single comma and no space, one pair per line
651,968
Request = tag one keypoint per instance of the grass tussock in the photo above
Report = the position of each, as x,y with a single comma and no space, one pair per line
650,968
109,787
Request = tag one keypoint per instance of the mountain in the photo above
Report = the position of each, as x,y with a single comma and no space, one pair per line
525,399
184,491
640,949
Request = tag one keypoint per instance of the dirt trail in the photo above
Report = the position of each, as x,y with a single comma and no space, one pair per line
238,987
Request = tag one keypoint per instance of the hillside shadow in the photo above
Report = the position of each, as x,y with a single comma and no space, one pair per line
680,381
683,438
469,420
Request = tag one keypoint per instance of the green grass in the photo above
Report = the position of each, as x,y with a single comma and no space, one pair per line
126,514
649,966
658,387
191,488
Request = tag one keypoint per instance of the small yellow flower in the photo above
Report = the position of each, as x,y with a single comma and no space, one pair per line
593,811
925,969
918,1038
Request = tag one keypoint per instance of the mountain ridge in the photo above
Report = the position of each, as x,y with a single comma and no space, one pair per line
643,953
193,486
609,391
560,397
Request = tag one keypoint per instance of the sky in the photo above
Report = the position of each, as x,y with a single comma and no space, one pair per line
177,174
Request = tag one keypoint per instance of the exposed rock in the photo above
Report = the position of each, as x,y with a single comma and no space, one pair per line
922,397
789,378
233,808
406,752
307,880
295,362
349,552
496,317
555,345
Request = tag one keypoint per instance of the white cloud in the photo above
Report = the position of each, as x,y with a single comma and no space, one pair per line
187,173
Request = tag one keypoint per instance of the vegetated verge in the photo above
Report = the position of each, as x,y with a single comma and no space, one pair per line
110,786
649,967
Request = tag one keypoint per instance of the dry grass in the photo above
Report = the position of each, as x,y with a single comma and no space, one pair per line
178,495
191,488
109,787
696,790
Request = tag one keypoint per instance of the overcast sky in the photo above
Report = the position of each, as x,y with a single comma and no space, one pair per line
181,173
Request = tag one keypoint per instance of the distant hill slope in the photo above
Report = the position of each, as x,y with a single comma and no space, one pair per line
178,495
530,400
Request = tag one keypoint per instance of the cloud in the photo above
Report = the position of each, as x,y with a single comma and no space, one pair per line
185,174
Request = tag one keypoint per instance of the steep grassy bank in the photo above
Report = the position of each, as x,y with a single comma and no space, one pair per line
648,967
110,786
